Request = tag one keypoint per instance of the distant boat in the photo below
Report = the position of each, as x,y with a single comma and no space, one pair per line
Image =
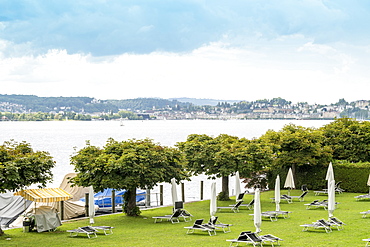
104,198
121,122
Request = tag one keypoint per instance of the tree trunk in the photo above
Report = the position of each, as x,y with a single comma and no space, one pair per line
1,232
131,209
224,195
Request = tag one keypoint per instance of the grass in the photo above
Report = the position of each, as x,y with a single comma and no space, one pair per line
141,231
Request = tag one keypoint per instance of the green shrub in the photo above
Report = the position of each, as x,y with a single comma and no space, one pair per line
222,196
354,176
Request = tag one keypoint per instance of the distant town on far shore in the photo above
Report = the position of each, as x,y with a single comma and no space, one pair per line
34,108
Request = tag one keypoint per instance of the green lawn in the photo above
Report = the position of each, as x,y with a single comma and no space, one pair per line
141,231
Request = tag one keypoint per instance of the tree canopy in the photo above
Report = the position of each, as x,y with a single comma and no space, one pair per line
127,165
20,166
298,146
223,156
349,139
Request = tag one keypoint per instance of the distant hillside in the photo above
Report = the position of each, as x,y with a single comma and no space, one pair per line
31,103
200,102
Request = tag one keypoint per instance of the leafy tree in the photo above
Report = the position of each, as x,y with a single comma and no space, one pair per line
223,156
20,166
298,146
127,165
349,139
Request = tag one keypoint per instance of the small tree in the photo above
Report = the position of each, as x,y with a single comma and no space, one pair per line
223,156
127,165
349,139
20,166
298,146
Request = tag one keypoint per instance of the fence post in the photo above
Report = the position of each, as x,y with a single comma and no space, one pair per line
161,195
183,192
113,201
86,204
201,189
147,199
62,210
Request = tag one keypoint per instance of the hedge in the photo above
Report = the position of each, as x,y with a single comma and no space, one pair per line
354,176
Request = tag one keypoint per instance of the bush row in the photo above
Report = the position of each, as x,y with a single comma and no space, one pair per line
354,176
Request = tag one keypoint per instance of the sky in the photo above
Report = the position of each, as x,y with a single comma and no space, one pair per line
315,51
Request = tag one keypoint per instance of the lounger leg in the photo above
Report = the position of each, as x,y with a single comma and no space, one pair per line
109,233
232,244
156,220
176,221
210,233
226,229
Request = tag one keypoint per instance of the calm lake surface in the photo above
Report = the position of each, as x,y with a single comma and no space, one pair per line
60,139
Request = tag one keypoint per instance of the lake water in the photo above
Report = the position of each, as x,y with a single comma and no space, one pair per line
60,139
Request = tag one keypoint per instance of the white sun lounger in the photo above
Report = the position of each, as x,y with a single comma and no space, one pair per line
88,230
199,226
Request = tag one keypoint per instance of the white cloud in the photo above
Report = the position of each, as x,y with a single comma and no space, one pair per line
214,71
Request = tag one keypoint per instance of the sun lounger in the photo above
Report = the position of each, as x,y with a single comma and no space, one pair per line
318,192
283,197
325,191
315,203
318,204
234,208
214,222
185,215
362,197
179,205
338,188
240,197
242,238
88,230
259,240
249,205
367,240
300,197
364,214
320,224
285,214
271,238
334,221
289,199
107,229
174,218
253,238
271,216
199,226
